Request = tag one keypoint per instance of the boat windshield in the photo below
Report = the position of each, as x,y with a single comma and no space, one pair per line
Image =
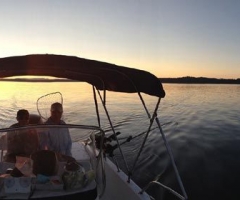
26,140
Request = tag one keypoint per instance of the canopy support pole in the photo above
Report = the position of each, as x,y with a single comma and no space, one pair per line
144,105
110,122
172,158
96,106
145,138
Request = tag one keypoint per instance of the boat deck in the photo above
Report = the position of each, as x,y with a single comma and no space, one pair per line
49,190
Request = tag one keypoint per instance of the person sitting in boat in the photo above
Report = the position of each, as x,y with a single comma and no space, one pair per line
21,142
59,139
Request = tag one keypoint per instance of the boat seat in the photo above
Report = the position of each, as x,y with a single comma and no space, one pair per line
44,162
35,119
3,145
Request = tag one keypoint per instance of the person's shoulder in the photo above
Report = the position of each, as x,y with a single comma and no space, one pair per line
14,125
48,121
62,122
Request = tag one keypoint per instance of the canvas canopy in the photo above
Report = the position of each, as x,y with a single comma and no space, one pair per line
104,76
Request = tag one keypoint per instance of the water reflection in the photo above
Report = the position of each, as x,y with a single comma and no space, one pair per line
202,128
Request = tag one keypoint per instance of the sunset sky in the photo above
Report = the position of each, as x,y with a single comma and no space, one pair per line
169,38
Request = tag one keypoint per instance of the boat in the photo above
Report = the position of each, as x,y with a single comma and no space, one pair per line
100,176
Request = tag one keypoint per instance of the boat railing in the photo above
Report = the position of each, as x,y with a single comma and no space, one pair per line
87,127
163,186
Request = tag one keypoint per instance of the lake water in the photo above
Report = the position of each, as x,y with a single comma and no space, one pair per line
201,123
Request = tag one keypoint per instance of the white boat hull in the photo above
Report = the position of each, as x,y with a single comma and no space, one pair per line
117,187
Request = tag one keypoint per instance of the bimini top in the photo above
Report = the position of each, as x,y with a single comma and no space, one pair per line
104,76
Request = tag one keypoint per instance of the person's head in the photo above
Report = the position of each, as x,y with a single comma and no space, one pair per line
23,117
56,112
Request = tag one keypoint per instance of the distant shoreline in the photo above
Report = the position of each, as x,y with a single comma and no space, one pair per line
199,80
186,80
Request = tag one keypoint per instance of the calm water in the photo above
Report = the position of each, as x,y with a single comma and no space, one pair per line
202,127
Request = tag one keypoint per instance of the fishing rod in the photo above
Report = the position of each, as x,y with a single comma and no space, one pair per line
110,148
129,138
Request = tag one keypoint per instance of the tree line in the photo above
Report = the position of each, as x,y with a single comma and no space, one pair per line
200,80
